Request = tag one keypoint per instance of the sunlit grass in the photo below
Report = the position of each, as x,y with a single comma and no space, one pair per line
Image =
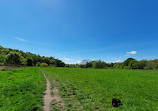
21,89
93,89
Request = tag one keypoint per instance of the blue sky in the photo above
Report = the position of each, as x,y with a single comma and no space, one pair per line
73,30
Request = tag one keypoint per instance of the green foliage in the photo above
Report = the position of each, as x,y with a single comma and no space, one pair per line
29,62
17,57
93,89
59,63
127,62
118,65
24,61
38,64
155,66
1,64
22,90
152,64
2,58
13,59
110,65
99,64
44,64
140,64
130,63
88,65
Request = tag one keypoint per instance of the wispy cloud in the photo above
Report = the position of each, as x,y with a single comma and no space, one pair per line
20,39
35,43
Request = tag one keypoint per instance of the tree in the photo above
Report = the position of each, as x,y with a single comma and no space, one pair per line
110,64
59,63
2,58
99,64
118,65
88,65
46,60
140,64
126,62
131,64
152,64
29,62
5,52
24,61
13,59
155,66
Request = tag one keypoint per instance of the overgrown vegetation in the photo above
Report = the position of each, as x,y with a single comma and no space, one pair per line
13,57
93,89
22,90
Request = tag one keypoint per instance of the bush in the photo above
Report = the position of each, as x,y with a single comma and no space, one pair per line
44,64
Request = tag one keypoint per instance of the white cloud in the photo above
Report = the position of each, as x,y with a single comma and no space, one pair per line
131,53
20,39
117,61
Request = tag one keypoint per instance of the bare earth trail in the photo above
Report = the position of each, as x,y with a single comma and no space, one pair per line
48,98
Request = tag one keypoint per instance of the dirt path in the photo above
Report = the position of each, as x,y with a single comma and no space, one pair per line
47,97
56,100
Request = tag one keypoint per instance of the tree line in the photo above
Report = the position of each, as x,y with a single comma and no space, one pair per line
14,57
130,63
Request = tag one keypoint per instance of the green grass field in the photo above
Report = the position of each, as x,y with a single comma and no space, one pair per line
82,89
22,90
93,89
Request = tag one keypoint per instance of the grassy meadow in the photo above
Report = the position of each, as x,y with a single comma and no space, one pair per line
93,89
22,90
82,89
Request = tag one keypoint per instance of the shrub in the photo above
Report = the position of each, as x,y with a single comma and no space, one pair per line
44,64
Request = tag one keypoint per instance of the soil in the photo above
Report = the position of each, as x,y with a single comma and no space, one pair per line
48,98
